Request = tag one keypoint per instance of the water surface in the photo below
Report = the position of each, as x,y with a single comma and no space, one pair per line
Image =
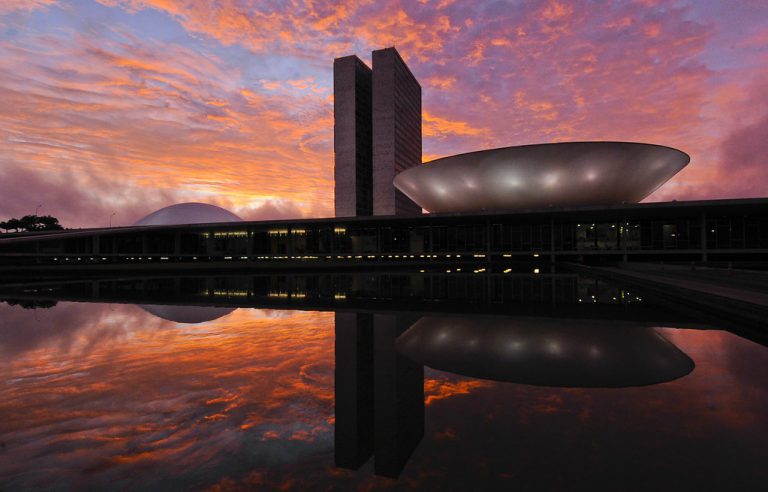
189,389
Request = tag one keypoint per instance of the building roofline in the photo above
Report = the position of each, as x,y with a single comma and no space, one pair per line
527,213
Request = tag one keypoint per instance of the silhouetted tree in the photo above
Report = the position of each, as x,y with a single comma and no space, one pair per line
48,223
32,223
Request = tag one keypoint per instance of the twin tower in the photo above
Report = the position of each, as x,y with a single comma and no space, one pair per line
377,133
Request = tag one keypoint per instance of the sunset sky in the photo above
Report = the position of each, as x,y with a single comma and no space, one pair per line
126,106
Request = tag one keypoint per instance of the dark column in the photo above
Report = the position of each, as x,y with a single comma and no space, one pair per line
177,244
703,237
396,131
399,397
352,137
353,434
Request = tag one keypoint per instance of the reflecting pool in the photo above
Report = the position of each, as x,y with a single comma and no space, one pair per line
365,382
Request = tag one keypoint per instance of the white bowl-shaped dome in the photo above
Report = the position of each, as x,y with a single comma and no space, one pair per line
542,175
188,213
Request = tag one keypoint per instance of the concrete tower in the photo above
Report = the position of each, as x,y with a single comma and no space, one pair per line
396,131
353,173
377,133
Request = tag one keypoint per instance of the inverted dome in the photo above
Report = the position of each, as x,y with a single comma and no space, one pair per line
188,213
531,176
187,314
545,351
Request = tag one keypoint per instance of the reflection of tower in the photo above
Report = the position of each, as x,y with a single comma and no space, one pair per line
379,394
398,397
354,389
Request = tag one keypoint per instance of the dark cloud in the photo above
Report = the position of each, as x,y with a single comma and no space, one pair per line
76,199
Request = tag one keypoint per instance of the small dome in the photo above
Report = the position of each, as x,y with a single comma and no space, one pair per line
188,213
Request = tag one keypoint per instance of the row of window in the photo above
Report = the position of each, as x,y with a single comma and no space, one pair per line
679,234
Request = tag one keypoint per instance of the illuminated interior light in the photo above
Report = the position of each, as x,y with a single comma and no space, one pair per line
339,230
227,234
535,270
507,270
230,293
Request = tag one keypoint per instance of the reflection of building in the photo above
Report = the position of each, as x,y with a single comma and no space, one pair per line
379,394
543,351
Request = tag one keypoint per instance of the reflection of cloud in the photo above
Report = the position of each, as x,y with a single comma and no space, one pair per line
438,388
168,403
62,326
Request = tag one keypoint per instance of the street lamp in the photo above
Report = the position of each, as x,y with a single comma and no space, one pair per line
37,209
110,218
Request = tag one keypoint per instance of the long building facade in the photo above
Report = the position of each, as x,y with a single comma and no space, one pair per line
701,231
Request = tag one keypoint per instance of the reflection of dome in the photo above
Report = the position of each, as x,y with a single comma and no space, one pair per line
188,213
187,314
545,351
530,176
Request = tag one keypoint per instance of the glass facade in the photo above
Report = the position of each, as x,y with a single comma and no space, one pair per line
639,230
